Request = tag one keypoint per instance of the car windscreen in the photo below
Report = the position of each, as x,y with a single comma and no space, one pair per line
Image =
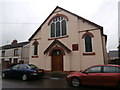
33,67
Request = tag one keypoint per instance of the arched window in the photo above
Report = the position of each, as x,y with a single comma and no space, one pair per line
88,43
57,52
58,27
64,28
35,48
52,29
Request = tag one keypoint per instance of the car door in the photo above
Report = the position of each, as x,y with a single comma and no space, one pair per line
92,76
110,75
22,70
13,71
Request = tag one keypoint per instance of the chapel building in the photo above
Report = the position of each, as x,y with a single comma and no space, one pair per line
67,42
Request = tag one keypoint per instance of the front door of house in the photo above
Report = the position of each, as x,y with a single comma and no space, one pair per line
57,60
5,64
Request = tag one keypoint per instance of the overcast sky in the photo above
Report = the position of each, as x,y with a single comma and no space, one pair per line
19,19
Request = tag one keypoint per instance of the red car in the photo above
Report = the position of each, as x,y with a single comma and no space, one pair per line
99,75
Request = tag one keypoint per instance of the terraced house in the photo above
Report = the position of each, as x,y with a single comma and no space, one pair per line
67,42
14,53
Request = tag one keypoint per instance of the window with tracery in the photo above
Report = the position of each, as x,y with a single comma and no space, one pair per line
58,27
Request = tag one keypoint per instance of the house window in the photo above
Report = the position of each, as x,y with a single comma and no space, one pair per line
10,60
88,43
15,52
35,48
3,53
75,47
58,27
15,60
2,60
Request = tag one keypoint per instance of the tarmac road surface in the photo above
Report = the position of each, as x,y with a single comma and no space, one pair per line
45,83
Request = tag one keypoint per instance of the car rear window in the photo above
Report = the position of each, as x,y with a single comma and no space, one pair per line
33,67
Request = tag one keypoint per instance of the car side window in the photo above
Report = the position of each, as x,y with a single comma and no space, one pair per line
22,66
109,69
118,70
94,69
15,67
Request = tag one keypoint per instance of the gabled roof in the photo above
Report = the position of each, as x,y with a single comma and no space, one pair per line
58,43
10,46
113,54
119,44
67,12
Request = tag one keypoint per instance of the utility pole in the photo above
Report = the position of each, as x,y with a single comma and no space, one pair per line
119,51
119,31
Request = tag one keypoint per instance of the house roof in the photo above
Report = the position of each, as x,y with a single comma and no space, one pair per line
119,44
10,46
113,54
59,43
67,12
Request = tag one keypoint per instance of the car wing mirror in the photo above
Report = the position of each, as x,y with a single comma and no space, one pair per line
85,72
80,70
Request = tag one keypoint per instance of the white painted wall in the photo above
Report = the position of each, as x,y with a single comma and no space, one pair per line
74,61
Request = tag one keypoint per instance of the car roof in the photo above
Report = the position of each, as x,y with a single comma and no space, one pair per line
24,64
108,65
102,65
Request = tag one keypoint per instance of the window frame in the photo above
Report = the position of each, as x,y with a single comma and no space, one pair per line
3,54
85,49
16,52
35,48
83,37
55,20
15,60
10,60
116,68
101,68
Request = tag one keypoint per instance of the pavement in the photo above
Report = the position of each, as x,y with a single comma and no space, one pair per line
55,75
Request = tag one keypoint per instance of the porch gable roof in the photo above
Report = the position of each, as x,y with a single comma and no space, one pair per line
59,43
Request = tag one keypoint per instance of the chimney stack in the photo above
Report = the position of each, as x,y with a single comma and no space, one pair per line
14,42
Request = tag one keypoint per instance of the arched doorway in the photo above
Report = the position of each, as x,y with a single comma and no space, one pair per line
57,60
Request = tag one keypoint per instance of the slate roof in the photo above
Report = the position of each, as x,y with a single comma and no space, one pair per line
71,14
113,54
10,46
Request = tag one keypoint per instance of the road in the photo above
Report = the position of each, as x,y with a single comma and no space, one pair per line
44,83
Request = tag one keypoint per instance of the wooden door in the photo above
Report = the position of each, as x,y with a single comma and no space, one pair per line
57,62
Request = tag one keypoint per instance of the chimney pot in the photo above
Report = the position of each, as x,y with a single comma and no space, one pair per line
14,42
